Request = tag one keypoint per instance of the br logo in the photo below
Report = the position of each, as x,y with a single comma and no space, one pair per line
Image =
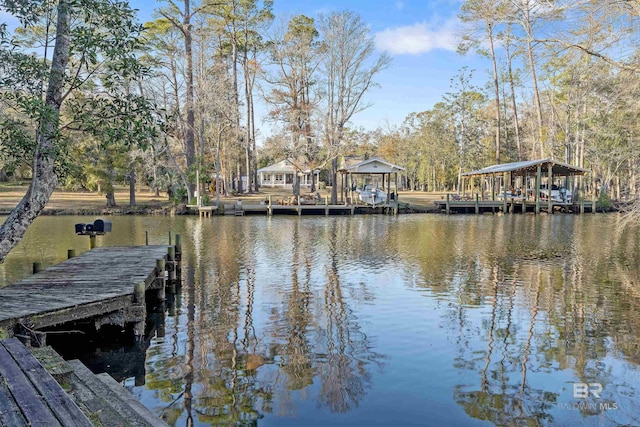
582,390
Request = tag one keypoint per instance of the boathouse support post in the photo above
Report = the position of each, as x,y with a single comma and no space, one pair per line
549,185
537,195
477,204
146,238
504,192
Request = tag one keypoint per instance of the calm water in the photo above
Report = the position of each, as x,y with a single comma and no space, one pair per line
375,321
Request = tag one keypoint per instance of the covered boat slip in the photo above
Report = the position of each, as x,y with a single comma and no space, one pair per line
374,188
526,186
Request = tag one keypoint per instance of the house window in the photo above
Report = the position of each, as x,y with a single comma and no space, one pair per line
279,177
266,178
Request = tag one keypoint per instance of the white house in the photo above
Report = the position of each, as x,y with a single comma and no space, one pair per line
281,174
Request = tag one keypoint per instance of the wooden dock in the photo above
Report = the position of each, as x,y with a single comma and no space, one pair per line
301,209
511,205
29,395
106,285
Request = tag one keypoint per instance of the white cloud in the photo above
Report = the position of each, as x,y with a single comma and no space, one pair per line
419,38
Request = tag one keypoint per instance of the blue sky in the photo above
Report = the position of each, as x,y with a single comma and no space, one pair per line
420,35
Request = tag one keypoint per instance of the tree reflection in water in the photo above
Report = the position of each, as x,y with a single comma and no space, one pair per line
568,327
231,370
283,320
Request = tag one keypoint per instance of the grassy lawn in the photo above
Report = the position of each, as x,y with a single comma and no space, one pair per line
12,193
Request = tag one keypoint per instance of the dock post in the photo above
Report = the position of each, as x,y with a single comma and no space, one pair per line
326,205
447,207
299,210
37,267
160,267
582,207
593,203
71,253
140,309
178,245
92,241
169,236
477,206
269,209
524,206
171,267
146,238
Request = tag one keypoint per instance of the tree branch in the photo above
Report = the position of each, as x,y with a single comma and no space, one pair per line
617,64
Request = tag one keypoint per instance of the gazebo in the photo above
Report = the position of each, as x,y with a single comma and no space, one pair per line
507,173
374,167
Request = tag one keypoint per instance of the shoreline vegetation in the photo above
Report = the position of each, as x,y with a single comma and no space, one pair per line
147,203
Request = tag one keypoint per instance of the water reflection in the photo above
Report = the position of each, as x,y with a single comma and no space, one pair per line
379,320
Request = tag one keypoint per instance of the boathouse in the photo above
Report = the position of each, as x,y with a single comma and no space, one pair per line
375,171
532,185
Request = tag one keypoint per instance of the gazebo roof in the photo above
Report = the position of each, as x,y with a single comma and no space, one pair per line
530,166
373,165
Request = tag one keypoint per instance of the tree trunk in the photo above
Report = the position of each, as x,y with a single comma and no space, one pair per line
334,181
44,179
516,124
111,198
190,150
534,82
497,90
132,186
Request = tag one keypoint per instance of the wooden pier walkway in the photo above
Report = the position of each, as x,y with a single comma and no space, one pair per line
29,395
105,285
301,209
511,206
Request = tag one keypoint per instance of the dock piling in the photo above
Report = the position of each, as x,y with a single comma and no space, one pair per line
37,267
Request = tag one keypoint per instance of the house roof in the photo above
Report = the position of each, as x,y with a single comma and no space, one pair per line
530,166
283,166
373,165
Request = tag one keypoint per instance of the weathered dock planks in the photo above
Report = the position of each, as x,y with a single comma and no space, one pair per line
29,396
95,283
